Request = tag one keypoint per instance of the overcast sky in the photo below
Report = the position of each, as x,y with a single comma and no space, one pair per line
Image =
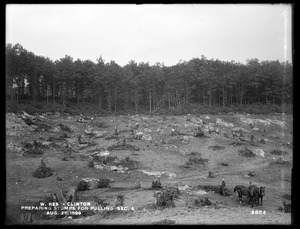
153,33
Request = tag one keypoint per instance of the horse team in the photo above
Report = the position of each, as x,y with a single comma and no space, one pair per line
253,192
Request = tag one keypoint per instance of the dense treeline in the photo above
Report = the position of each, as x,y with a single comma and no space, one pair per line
139,86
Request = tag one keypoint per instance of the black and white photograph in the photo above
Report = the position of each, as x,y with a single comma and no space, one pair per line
149,114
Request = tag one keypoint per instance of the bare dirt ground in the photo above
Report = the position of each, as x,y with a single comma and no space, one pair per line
159,151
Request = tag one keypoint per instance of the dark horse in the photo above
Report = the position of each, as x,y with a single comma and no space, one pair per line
245,192
257,193
238,188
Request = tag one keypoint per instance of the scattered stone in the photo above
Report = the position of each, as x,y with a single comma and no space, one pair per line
209,188
59,179
123,147
91,183
68,128
182,188
259,152
223,123
251,173
14,148
199,193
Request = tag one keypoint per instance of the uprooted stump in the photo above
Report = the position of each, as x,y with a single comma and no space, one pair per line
216,147
246,152
156,184
286,207
251,173
203,202
42,171
92,183
103,160
95,203
281,161
236,143
211,174
32,149
104,183
165,198
198,160
128,163
123,147
119,200
278,152
82,185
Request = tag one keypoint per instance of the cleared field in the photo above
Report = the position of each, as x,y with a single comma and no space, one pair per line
147,147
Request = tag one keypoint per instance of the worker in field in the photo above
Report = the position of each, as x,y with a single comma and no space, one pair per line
199,132
252,138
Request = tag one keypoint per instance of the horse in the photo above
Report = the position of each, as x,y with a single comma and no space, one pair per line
238,188
258,193
245,192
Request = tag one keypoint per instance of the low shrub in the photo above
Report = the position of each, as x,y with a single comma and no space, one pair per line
42,171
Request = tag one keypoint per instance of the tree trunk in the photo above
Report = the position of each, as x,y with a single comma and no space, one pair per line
209,97
150,100
136,101
64,96
241,96
34,92
77,94
100,101
169,98
115,98
109,102
47,94
224,97
17,95
53,94
203,96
